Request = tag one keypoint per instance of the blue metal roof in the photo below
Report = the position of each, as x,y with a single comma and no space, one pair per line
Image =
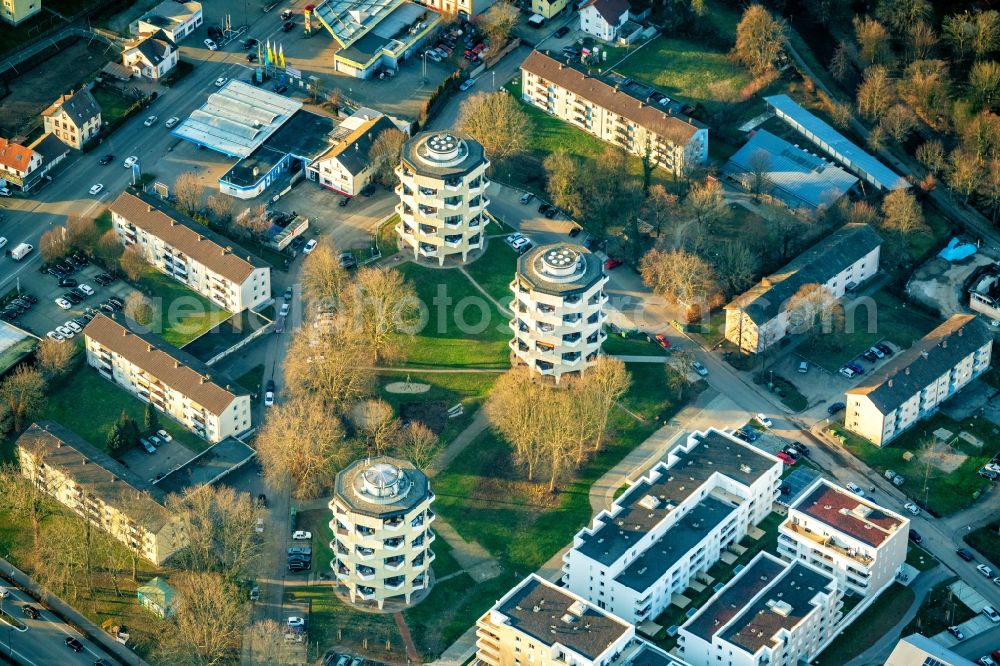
836,144
793,175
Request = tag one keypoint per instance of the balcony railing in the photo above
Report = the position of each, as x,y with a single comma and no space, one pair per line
830,544
394,543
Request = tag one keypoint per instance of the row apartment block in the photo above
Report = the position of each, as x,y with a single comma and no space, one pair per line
858,542
539,624
671,525
100,490
759,318
381,530
200,398
190,253
560,89
558,309
442,196
913,385
771,612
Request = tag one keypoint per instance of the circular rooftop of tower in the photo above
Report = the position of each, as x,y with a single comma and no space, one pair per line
376,486
443,154
560,269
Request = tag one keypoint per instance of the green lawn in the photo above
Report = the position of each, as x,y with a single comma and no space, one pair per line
688,70
184,314
113,105
252,379
869,628
462,329
940,610
920,559
619,346
486,498
317,521
445,563
946,493
470,389
495,269
882,317
88,404
987,541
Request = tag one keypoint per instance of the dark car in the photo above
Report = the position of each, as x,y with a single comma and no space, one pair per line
965,554
835,407
116,301
250,43
251,57
915,536
73,644
800,448
270,385
281,88
561,32
551,212
30,611
73,298
344,201
856,367
574,232
262,498
31,299
589,242
288,26
785,489
884,348
215,32
543,207
107,308
298,242
107,159
870,356
368,190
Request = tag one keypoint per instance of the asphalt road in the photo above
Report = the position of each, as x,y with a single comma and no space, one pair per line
979,645
42,644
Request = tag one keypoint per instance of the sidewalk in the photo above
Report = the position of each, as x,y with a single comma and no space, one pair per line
71,616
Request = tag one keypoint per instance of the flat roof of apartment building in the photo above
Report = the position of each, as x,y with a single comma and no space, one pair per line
443,154
560,269
926,361
767,596
382,486
552,615
819,263
214,251
679,539
206,386
648,502
573,77
207,467
783,605
96,472
847,513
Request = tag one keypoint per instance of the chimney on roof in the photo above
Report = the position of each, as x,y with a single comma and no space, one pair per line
149,348
149,209
561,65
890,382
944,344
907,370
924,354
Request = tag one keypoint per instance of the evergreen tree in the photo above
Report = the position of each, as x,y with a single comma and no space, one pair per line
129,430
152,419
116,438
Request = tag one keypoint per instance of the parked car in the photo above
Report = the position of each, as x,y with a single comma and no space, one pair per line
749,434
269,398
284,310
847,372
985,570
310,246
150,121
130,161
63,303
835,407
73,644
468,83
870,356
254,593
884,348
164,435
521,245
551,212
612,262
527,197
86,289
965,554
210,45
368,190
800,448
915,536
107,159
147,446
30,611
785,458
294,622
561,32
155,441
878,352
543,207
67,282
856,367
855,488
662,340
301,535
699,368
574,232
347,260
763,420
512,238
991,613
344,201
912,508
957,633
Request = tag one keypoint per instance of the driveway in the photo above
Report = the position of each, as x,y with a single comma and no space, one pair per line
349,226
168,457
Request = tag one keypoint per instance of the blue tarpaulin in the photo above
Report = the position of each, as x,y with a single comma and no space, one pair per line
956,251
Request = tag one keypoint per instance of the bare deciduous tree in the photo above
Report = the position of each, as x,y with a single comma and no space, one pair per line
679,276
221,206
737,265
22,394
901,14
497,121
140,308
902,213
328,367
52,245
606,383
814,309
987,34
898,121
498,21
55,357
109,249
187,192
133,263
380,305
959,31
760,39
253,222
562,172
931,155
874,47
266,640
513,408
81,232
377,425
418,444
875,93
920,40
705,203
307,468
322,277
384,156
210,616
984,82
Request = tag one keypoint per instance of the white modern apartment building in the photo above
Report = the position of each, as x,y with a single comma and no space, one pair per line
858,542
673,142
672,524
198,397
190,253
912,386
558,309
759,318
99,489
540,624
442,196
771,612
381,530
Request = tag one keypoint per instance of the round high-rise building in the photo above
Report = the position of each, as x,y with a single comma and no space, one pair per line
442,195
558,309
381,536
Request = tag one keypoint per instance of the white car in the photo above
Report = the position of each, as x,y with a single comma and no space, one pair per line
847,372
65,332
912,508
284,310
130,161
3,241
52,335
468,83
63,303
310,246
73,326
86,288
260,526
991,613
763,420
173,120
96,189
856,489
269,398
513,238
221,81
5,192
212,46
150,121
521,245
164,435
985,570
296,622
699,368
301,535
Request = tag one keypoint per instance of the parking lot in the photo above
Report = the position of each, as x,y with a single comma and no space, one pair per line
148,465
348,226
